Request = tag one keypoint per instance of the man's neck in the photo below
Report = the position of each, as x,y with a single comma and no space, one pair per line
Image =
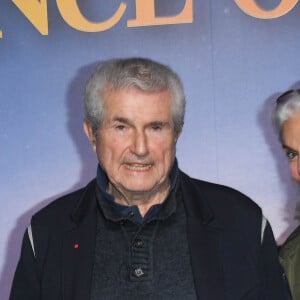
143,200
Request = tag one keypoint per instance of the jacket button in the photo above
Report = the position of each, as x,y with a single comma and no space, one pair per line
138,272
138,243
131,214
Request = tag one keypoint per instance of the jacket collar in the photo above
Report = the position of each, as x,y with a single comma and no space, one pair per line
204,238
85,204
194,199
196,206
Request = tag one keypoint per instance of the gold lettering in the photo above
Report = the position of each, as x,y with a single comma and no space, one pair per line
252,9
145,15
72,15
36,13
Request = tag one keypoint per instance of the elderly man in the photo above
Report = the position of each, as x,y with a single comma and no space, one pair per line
143,229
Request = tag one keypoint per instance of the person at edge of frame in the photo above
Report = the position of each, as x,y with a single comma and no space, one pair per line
286,120
143,228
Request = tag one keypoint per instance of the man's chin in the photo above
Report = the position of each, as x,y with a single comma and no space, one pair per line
139,191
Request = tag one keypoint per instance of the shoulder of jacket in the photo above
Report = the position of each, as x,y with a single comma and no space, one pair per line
291,246
62,205
54,219
223,206
221,194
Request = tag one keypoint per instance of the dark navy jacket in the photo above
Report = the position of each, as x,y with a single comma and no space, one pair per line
233,255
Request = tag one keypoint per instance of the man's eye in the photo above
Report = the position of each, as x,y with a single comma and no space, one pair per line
291,155
120,127
156,127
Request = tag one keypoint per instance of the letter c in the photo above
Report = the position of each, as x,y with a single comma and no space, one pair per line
71,13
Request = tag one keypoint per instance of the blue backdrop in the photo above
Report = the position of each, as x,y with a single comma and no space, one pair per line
233,65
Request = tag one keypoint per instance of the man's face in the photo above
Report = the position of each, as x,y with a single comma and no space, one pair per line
136,142
291,143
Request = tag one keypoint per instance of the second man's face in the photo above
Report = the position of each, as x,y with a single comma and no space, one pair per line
291,143
136,142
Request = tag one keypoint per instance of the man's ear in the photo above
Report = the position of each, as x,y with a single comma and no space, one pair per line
177,135
90,134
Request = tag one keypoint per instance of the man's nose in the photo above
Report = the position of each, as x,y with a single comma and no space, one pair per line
139,144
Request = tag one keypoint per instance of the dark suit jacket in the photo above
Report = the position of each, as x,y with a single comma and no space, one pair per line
230,260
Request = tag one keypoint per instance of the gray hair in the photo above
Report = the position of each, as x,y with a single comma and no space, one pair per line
141,73
287,104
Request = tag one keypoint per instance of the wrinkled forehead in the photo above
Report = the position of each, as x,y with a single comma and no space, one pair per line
111,92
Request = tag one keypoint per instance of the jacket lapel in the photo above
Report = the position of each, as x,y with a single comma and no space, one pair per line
78,249
204,237
206,260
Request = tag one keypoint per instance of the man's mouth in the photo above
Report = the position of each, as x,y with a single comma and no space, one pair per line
138,167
